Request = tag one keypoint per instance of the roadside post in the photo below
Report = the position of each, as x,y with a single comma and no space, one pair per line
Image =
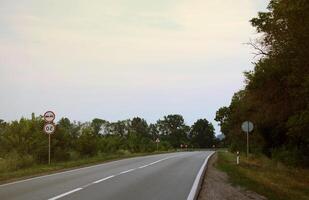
237,159
157,141
247,127
49,128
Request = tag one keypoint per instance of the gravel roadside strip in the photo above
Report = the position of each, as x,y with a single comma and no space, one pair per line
216,186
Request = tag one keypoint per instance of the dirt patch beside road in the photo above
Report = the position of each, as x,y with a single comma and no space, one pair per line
216,186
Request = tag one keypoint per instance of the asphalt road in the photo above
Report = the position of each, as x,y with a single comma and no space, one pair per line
160,177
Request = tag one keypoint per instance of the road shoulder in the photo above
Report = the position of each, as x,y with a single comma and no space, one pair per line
216,186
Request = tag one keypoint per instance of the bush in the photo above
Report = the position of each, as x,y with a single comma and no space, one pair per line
14,161
165,146
74,155
289,157
60,154
123,152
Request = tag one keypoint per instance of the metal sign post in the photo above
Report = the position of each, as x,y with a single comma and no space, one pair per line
247,127
49,128
49,149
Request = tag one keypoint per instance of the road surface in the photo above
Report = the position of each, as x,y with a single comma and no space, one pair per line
171,176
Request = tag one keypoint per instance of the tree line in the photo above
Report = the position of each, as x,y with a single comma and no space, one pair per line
24,139
276,93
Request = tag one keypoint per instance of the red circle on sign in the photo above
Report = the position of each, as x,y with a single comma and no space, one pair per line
49,116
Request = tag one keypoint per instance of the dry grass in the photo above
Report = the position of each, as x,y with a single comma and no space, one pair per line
266,177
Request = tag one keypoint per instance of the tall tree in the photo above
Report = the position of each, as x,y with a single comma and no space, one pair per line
173,129
96,124
139,126
202,134
276,95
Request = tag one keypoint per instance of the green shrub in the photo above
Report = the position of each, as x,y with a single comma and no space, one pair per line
74,155
14,161
60,154
289,157
123,152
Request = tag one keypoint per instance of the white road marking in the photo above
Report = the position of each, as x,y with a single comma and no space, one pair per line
104,179
65,194
141,167
73,170
194,189
124,172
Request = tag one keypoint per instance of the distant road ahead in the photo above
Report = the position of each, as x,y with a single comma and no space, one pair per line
157,177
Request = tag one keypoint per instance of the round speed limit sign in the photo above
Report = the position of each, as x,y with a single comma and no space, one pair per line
49,128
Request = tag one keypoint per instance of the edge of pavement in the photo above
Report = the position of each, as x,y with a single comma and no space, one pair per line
196,187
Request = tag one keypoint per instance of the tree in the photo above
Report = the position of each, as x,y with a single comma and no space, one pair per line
202,134
173,129
96,125
62,141
153,131
140,127
223,117
276,94
87,143
120,128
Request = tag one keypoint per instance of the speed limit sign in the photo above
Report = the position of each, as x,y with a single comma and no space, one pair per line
49,128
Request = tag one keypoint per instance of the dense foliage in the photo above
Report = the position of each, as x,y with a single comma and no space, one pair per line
276,95
23,142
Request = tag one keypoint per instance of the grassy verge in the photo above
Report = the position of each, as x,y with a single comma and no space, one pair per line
266,177
44,169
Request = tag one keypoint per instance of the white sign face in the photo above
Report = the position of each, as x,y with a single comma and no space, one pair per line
247,126
157,140
49,128
49,116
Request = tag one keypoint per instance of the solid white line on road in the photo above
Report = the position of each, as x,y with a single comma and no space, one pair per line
65,194
195,186
104,179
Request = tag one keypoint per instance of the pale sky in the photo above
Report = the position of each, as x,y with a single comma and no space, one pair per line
117,59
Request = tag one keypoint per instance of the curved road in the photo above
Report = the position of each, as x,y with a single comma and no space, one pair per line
159,177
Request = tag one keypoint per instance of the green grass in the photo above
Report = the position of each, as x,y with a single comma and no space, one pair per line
266,177
43,169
